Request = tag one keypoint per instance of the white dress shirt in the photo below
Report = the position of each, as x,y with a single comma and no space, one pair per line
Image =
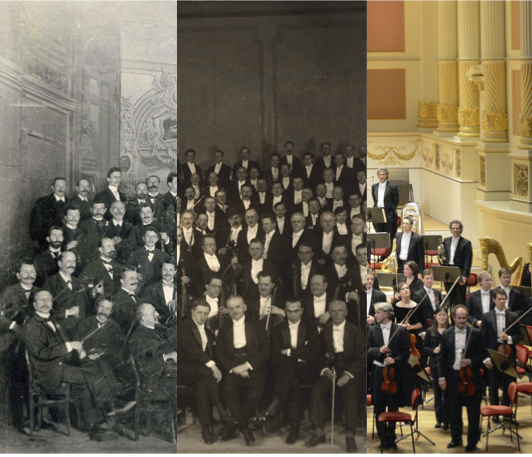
327,242
486,300
265,302
239,333
295,237
329,186
405,244
454,244
191,167
320,305
341,270
212,261
338,337
305,272
256,268
252,233
267,241
380,194
214,305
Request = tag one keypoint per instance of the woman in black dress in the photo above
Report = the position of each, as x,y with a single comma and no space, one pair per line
431,348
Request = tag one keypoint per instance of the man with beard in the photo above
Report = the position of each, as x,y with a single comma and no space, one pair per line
81,200
46,262
133,206
71,297
94,229
161,293
126,300
52,354
119,230
47,212
104,269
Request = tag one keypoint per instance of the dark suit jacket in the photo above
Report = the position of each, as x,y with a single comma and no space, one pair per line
224,176
251,164
257,343
307,344
150,270
15,304
187,174
108,198
249,288
125,309
315,269
65,299
516,302
426,309
474,305
476,351
189,345
376,297
84,207
463,257
314,178
391,200
46,266
110,337
400,345
46,212
488,330
243,245
154,295
353,345
95,272
308,308
297,168
416,251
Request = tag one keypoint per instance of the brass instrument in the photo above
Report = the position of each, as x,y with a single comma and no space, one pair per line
490,246
441,254
412,210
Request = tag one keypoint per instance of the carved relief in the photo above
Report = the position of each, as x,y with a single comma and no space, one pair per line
46,74
428,157
447,113
427,114
391,155
437,156
525,126
447,161
492,122
521,180
458,158
482,170
468,117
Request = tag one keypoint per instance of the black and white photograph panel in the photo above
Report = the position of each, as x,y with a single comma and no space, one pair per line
88,347
271,249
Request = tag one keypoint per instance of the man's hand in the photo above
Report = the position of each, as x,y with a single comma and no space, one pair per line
76,345
223,251
384,350
344,379
389,361
478,323
185,280
117,239
216,373
443,384
465,362
74,311
279,311
371,320
164,237
171,355
437,350
71,245
464,280
284,351
329,374
504,336
322,320
352,296
240,369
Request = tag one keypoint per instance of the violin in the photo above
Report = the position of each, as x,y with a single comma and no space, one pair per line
388,379
466,386
215,322
273,319
413,349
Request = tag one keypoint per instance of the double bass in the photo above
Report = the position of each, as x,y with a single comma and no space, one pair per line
271,320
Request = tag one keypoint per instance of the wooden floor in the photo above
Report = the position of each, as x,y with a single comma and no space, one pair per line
498,443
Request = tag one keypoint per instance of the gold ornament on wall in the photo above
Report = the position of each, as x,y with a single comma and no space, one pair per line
427,114
458,157
447,161
391,155
447,113
468,117
428,157
525,126
482,170
437,156
521,180
494,122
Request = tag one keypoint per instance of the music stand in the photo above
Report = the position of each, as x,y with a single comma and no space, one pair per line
446,274
526,291
418,368
390,279
380,240
376,216
526,340
431,243
503,363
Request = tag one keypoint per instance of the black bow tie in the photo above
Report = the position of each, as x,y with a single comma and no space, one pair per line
150,251
107,262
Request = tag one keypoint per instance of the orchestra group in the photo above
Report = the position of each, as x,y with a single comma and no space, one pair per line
241,284
450,336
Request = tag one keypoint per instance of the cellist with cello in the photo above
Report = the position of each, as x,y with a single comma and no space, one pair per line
500,335
388,347
462,355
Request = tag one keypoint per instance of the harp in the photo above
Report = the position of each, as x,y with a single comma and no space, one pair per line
490,246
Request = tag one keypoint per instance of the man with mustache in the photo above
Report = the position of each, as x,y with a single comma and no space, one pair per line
154,197
126,300
148,259
133,205
94,229
111,194
119,230
136,237
161,293
72,299
105,269
46,262
81,199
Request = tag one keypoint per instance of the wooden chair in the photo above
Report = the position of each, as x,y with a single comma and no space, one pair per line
148,405
39,400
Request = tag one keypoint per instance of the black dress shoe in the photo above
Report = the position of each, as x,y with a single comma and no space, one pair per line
470,447
248,435
445,427
438,425
315,440
350,443
392,445
454,444
206,433
292,437
227,432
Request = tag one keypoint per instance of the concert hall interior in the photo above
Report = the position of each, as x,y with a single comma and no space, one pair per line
449,100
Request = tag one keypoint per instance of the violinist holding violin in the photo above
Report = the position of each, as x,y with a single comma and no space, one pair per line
461,358
495,336
388,347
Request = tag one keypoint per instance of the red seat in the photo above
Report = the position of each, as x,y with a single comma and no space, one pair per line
508,412
525,388
368,400
395,417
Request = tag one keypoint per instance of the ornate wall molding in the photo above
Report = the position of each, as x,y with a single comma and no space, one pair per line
482,170
437,157
391,155
427,114
521,180
458,159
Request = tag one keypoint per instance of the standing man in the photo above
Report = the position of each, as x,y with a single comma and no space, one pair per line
409,246
295,164
458,253
111,194
222,170
386,195
460,350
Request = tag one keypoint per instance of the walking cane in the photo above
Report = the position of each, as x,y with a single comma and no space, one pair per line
333,395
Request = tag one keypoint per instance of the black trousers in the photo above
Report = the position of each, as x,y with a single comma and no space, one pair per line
322,393
289,377
458,295
206,389
497,380
441,400
471,402
250,389
382,402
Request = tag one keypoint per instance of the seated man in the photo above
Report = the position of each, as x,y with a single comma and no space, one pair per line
153,354
53,356
242,350
342,363
196,367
